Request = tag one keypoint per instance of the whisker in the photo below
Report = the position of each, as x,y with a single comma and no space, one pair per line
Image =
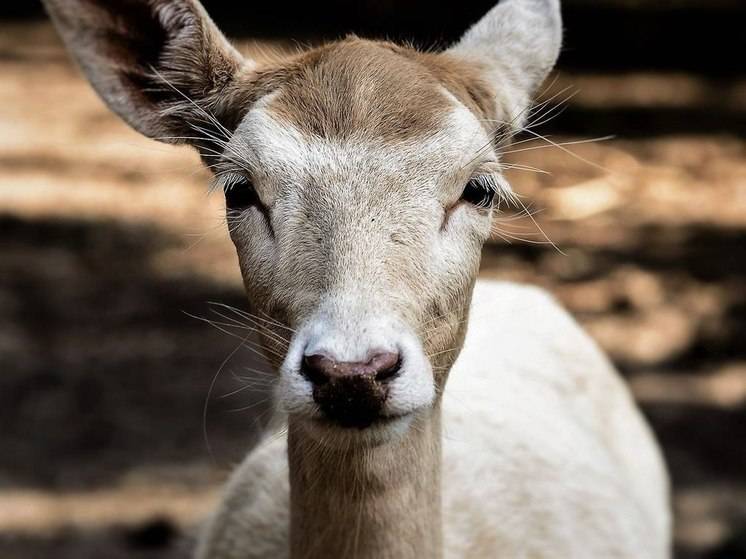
243,388
250,406
561,145
206,404
251,347
517,167
259,329
251,316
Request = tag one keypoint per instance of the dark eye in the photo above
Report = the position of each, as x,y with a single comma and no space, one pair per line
480,191
240,194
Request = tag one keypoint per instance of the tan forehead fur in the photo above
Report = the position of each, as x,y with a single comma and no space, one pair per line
372,89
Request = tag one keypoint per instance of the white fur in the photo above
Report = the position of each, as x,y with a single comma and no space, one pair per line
518,41
545,453
350,331
275,149
349,323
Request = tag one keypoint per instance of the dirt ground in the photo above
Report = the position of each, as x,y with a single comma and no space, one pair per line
110,247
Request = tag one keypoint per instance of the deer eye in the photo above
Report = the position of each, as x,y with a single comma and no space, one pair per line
240,194
480,191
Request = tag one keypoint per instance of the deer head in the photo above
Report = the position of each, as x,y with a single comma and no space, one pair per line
360,179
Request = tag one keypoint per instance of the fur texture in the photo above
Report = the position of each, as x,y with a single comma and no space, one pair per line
357,238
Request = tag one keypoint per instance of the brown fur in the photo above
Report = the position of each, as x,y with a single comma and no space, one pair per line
373,89
463,79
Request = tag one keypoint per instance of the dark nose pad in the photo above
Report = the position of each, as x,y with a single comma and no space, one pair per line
351,393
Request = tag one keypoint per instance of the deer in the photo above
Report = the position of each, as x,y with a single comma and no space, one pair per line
427,414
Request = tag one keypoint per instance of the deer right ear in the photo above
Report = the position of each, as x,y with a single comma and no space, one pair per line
162,65
516,43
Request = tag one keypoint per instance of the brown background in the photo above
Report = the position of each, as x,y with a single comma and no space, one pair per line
110,245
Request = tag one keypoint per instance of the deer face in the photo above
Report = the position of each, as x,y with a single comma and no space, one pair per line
359,226
360,181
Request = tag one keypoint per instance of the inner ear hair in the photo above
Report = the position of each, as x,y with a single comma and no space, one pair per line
161,65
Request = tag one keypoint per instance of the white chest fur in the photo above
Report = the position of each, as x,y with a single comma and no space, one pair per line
545,453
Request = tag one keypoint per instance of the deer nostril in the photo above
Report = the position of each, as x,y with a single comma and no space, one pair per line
386,365
315,368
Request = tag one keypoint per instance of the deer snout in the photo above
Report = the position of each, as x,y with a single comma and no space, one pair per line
348,366
351,394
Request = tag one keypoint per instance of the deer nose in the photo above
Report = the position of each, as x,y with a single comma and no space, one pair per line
320,369
351,393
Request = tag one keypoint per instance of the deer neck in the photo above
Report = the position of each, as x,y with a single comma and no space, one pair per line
380,502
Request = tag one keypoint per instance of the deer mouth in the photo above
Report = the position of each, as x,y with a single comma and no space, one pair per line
382,430
352,402
380,421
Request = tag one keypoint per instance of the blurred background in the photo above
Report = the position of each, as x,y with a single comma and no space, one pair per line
121,411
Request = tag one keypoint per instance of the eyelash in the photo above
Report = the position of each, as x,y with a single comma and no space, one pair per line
239,193
480,191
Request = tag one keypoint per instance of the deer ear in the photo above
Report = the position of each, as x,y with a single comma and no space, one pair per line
516,43
162,65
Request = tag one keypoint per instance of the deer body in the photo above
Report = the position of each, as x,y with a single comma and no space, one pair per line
361,180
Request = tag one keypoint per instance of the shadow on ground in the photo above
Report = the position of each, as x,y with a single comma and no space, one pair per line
104,371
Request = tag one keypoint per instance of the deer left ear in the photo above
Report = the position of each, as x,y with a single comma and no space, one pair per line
517,44
162,65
